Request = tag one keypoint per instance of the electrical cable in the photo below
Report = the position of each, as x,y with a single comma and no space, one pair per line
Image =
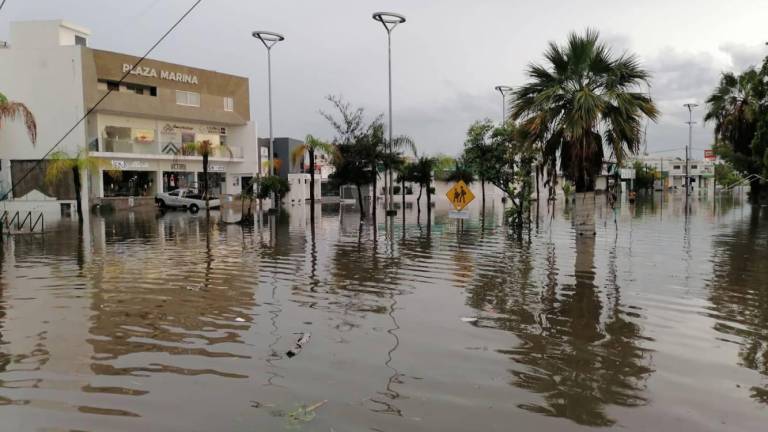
109,91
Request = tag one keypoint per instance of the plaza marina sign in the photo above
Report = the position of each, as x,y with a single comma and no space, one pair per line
163,74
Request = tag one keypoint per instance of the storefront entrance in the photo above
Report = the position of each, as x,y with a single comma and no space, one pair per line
128,183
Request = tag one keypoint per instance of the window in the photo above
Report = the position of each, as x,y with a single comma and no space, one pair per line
80,41
108,85
187,98
677,167
229,104
694,167
174,193
141,89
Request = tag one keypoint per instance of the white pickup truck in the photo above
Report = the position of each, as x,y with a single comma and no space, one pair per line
184,198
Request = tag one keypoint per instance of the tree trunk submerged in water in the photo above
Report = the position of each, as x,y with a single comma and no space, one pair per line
78,197
755,190
584,214
360,202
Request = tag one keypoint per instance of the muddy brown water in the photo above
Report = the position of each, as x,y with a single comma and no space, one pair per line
153,322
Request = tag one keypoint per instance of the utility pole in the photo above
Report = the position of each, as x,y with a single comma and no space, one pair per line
690,122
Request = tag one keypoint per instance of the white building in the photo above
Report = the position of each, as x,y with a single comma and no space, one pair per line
672,169
140,134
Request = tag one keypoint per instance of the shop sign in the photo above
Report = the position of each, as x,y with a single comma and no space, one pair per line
213,130
709,155
178,166
150,72
123,165
216,168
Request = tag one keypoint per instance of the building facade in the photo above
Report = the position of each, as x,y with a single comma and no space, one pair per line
145,132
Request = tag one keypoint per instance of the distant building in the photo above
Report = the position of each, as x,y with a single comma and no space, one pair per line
139,134
672,172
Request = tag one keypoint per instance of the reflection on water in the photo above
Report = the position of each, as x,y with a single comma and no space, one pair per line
659,321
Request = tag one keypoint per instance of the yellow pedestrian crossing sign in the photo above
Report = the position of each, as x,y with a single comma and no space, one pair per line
460,195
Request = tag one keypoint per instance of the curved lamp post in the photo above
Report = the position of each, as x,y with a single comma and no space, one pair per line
269,39
503,89
389,20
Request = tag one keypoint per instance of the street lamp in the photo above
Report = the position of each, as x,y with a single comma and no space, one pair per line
503,89
690,122
389,20
269,39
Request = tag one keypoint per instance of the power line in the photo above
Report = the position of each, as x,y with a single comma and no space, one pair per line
109,91
2,4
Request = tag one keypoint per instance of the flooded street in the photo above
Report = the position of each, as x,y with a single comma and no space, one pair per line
154,322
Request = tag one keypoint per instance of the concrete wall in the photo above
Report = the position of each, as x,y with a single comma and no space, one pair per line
212,87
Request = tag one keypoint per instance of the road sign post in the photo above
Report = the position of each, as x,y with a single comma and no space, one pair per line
460,196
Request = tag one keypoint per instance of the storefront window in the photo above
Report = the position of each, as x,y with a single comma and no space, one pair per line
215,183
128,183
173,180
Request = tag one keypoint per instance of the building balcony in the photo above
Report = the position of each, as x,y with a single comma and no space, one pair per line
151,148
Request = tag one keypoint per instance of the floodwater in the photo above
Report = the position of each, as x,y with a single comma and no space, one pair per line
149,322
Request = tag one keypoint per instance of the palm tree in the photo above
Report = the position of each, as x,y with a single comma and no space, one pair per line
583,100
477,149
206,149
735,108
61,163
10,110
311,146
423,169
461,172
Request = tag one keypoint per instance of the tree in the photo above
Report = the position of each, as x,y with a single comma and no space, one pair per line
357,146
476,153
273,185
206,149
10,110
725,175
644,176
514,154
461,172
61,163
738,108
311,146
583,100
423,170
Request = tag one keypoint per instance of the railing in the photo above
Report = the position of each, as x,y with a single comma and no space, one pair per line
743,182
20,223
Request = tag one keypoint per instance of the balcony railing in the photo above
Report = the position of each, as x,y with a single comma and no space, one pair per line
115,145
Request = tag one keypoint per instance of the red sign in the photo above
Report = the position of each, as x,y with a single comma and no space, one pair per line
709,155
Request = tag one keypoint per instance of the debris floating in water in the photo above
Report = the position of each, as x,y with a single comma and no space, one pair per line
303,340
468,319
238,319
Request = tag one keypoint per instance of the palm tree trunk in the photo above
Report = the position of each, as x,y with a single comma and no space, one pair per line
482,187
78,198
402,191
755,189
584,214
312,187
418,202
429,202
205,183
374,204
360,202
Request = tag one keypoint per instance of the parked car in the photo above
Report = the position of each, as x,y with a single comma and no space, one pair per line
185,198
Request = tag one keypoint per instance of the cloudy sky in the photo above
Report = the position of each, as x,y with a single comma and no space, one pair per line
447,57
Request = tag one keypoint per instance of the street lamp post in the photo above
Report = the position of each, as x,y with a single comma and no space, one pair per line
269,39
389,20
503,90
690,122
